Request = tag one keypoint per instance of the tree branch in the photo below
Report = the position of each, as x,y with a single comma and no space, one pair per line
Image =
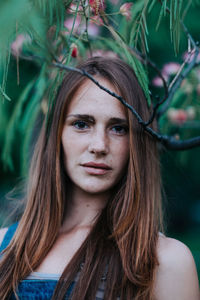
169,142
172,143
181,76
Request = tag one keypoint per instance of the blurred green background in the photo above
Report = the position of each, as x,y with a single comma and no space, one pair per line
180,169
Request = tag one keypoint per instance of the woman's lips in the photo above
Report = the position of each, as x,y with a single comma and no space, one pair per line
96,168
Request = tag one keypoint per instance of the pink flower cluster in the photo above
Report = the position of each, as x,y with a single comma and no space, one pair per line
79,26
125,10
180,116
97,6
99,52
16,46
74,50
73,7
189,57
168,70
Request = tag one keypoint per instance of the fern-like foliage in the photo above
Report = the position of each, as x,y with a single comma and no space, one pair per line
142,8
54,11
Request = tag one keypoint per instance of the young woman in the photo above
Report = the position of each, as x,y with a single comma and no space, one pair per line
90,228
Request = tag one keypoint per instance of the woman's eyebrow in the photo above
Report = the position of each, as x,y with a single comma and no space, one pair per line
82,117
90,118
118,120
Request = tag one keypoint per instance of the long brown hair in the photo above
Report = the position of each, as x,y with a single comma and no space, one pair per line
122,243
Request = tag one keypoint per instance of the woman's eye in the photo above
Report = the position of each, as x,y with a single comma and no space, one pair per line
80,124
120,129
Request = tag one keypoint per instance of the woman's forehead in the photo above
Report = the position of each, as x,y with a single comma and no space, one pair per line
90,99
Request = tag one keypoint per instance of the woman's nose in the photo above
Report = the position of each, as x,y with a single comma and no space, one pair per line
99,142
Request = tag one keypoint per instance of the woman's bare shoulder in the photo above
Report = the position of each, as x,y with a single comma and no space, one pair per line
2,234
176,276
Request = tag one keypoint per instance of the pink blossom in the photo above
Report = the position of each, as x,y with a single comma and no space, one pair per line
73,7
97,20
190,56
16,46
157,81
74,50
97,6
93,29
79,27
171,68
167,70
177,116
104,53
62,58
69,23
125,10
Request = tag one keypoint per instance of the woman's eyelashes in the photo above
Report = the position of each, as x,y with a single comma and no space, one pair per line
118,129
80,124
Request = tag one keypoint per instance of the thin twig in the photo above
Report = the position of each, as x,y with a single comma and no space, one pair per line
181,69
147,61
181,76
17,57
86,26
167,8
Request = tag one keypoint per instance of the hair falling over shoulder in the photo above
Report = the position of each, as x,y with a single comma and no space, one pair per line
123,240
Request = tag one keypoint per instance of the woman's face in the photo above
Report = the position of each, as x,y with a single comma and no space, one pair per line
95,139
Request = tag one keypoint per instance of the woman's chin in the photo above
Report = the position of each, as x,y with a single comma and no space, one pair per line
93,189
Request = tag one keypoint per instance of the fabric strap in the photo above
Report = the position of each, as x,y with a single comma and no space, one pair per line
8,236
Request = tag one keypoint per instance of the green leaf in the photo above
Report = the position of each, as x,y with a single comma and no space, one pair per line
23,116
54,11
29,117
165,7
135,64
189,3
4,94
153,2
139,24
160,15
13,124
4,65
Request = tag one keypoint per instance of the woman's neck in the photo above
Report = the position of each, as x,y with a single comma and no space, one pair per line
83,209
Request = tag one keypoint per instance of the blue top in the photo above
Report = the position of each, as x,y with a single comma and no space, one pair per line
39,286
8,236
33,289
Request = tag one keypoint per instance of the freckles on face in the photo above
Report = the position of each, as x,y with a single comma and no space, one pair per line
95,138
